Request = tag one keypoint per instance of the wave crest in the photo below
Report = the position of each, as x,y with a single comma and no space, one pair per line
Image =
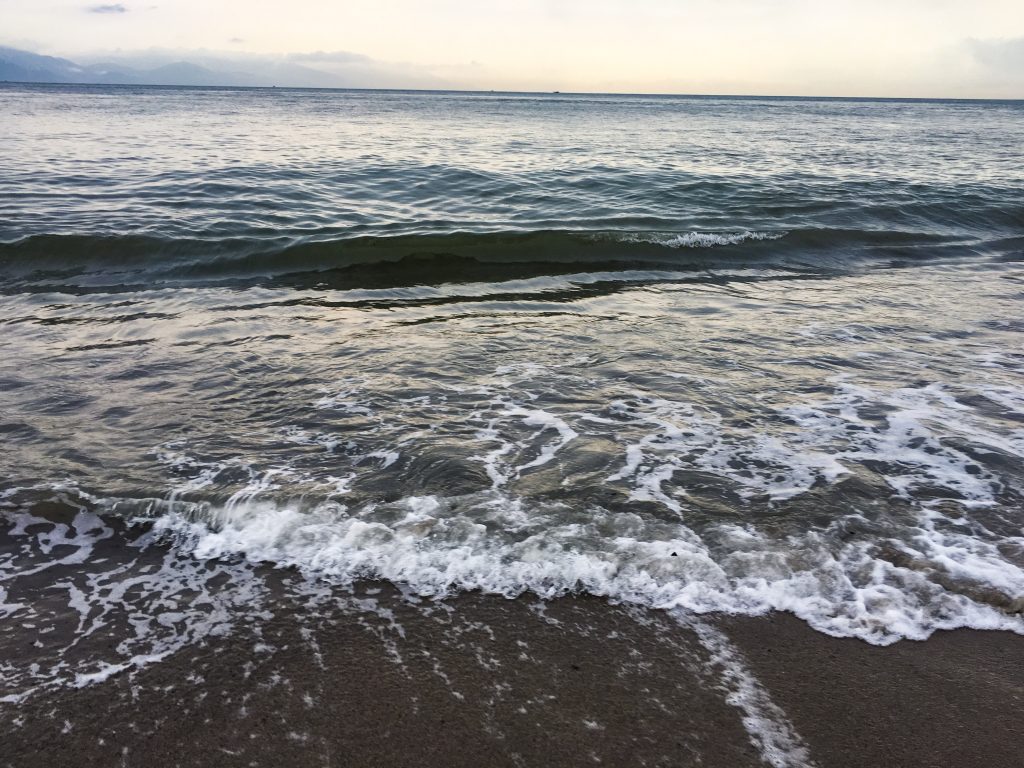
699,239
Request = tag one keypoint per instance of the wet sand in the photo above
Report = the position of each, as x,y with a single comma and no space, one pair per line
484,681
956,699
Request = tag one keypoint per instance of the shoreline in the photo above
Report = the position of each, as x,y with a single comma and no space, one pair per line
372,677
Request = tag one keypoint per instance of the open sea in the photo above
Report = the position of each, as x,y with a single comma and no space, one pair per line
703,355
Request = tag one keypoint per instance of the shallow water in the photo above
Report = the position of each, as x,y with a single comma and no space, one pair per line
710,354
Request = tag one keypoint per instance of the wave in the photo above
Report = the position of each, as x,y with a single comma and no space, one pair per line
912,539
699,239
140,260
839,584
852,579
903,573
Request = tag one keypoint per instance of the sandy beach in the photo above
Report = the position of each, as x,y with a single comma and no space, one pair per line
384,680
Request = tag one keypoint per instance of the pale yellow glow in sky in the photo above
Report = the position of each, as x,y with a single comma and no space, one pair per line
838,47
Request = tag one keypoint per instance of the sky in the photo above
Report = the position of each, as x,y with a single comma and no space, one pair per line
944,48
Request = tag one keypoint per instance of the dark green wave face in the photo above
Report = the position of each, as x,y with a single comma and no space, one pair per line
708,354
161,185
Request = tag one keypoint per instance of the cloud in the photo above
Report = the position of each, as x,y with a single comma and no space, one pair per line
331,57
113,8
993,67
1002,55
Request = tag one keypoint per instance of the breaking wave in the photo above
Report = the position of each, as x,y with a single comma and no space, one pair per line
41,262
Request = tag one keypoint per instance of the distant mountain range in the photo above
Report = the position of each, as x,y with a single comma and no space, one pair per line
26,67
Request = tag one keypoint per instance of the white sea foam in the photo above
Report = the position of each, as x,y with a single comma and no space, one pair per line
101,594
902,578
546,421
833,435
441,546
698,239
686,437
769,729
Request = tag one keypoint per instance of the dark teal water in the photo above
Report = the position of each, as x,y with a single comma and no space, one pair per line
102,185
711,354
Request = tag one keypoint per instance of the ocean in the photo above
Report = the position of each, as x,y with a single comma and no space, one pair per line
694,356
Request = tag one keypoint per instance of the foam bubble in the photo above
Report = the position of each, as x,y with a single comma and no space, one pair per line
905,571
699,239
769,729
440,546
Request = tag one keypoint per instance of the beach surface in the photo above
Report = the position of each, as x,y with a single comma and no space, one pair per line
369,676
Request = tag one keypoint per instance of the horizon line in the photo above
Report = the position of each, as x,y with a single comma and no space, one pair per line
478,91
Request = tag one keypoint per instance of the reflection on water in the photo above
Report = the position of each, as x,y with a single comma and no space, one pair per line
846,447
714,354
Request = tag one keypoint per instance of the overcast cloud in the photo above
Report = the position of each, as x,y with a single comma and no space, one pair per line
839,47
